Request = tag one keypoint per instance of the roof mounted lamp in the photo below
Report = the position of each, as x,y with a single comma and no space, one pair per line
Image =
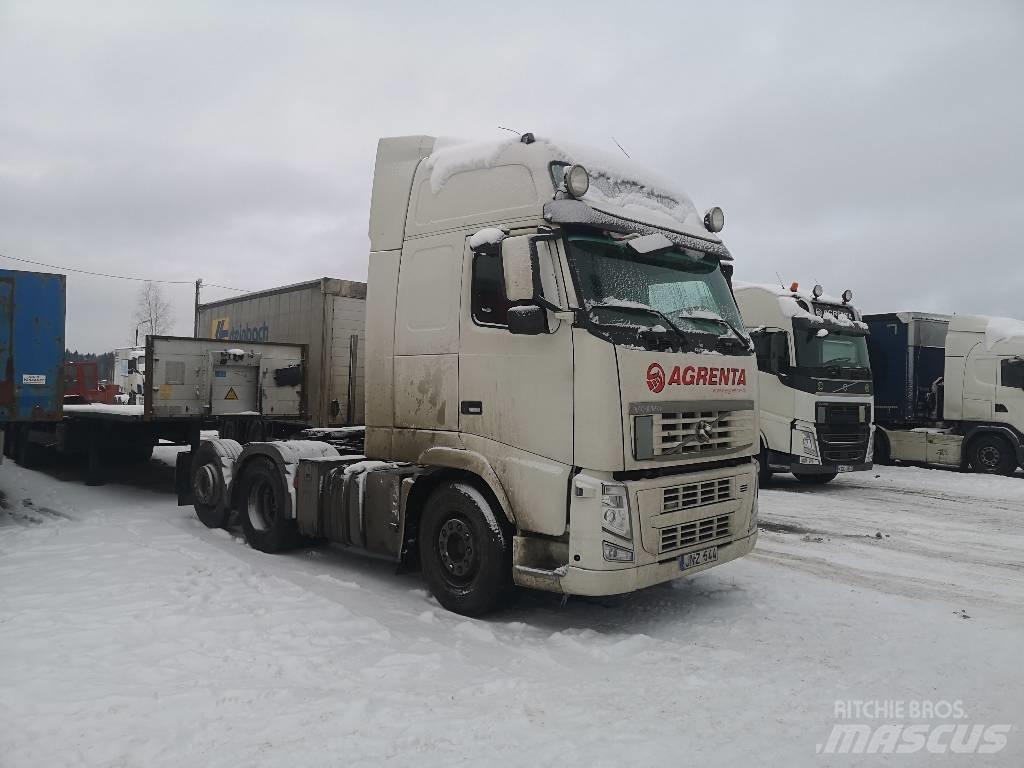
714,219
817,291
847,296
577,180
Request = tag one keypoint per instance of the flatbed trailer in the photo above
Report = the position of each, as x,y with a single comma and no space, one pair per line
249,389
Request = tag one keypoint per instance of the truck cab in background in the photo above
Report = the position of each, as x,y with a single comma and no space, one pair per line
130,374
559,392
950,390
814,381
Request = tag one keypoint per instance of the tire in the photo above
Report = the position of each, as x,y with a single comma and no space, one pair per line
992,455
883,451
465,551
264,508
27,453
816,479
764,475
209,490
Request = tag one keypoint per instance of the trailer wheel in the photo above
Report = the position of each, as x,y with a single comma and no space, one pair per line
264,508
465,553
816,479
209,490
992,455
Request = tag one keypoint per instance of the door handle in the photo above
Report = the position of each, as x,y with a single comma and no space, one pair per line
471,407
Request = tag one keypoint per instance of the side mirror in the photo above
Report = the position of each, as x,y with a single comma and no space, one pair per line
527,320
518,265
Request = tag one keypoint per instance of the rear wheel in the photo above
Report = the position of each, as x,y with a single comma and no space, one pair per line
209,490
816,479
465,552
264,508
992,455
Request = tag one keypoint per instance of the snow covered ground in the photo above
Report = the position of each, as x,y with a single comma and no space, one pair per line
132,636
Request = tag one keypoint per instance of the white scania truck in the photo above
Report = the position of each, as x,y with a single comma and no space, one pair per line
559,393
949,390
814,381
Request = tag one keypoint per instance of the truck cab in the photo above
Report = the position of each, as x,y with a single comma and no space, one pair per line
130,374
950,390
815,381
559,390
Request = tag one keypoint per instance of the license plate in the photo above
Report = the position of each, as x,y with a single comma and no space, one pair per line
844,468
701,557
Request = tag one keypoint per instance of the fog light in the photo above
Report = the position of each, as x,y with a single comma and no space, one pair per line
577,180
615,511
616,554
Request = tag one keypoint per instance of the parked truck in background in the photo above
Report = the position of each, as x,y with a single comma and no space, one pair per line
814,381
558,390
32,306
949,390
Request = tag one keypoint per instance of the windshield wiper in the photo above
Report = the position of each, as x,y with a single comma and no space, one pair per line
649,310
722,321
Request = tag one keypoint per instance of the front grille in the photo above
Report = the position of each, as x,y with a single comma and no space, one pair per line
844,445
701,531
689,433
692,495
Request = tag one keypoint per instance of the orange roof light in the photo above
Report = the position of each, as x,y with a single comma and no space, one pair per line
794,287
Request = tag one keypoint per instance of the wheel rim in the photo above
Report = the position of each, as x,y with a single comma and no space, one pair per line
262,506
458,551
204,485
989,456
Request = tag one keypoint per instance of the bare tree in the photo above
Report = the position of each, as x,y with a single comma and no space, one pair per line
152,310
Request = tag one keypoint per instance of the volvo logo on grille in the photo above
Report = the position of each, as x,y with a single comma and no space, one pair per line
704,432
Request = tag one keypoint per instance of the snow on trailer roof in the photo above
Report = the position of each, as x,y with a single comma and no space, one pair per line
619,186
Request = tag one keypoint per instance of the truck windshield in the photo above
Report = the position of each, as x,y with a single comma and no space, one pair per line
834,350
681,285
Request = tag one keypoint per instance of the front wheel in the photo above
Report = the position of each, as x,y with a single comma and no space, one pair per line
816,479
465,551
992,455
265,507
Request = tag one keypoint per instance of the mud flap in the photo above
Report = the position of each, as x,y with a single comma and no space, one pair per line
183,479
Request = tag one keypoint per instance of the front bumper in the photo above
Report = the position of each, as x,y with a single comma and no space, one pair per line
581,581
671,515
824,469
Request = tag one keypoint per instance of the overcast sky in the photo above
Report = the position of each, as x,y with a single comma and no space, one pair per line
878,147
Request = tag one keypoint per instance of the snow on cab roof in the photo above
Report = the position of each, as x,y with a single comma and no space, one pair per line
997,330
619,186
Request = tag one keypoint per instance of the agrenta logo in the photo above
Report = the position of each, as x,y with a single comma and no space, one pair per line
655,377
694,375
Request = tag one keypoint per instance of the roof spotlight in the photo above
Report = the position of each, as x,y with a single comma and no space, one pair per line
847,296
794,287
714,219
577,180
817,291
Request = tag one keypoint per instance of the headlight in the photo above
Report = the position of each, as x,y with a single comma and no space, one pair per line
810,444
577,180
616,554
615,511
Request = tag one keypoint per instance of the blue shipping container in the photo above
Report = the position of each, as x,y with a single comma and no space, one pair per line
32,306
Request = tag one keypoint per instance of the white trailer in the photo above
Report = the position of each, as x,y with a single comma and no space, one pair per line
815,381
559,394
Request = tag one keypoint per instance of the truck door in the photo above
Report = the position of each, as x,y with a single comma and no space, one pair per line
515,390
980,373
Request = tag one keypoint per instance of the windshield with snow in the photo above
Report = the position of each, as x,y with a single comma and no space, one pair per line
677,293
831,352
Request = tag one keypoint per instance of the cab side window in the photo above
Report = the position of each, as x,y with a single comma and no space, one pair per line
763,350
1011,373
488,300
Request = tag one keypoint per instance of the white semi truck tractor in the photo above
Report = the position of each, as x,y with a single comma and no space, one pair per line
949,390
558,390
814,381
